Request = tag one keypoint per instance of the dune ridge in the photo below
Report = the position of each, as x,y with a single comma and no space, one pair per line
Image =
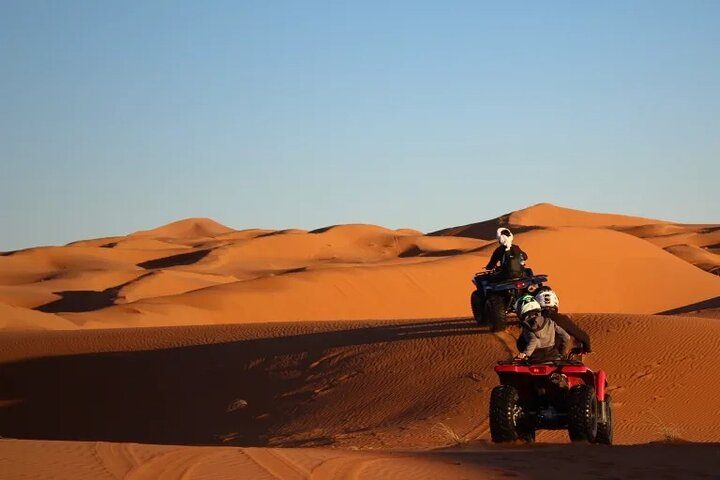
197,271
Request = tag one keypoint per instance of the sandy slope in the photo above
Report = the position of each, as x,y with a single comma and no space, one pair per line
100,460
368,384
547,215
699,257
657,232
384,395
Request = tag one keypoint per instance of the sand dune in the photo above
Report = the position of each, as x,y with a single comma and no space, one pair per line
696,244
670,234
187,228
590,279
606,271
99,460
347,384
197,271
548,215
545,215
354,337
17,318
699,257
168,282
584,267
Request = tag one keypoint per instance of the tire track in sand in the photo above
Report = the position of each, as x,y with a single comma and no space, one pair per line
175,464
277,464
344,468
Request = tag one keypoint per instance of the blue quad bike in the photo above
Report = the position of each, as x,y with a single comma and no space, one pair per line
493,300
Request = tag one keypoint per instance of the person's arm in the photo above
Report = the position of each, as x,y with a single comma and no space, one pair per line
521,252
561,331
566,339
566,322
494,259
532,345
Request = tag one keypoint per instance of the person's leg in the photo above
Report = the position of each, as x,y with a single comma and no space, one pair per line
545,355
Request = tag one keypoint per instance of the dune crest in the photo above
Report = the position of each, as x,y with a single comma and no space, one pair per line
544,215
549,215
187,228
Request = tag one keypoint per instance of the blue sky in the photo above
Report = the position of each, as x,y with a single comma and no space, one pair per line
120,116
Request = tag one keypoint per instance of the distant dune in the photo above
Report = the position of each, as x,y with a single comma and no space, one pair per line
197,271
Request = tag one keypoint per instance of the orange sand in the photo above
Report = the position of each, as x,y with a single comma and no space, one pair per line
354,337
197,271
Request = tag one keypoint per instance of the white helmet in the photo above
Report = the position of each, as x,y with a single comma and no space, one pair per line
529,306
547,298
505,237
522,301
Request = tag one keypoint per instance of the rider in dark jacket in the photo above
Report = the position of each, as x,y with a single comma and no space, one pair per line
512,265
510,257
549,302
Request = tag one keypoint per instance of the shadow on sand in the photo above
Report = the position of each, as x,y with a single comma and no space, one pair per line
231,393
486,230
84,300
80,300
693,307
175,260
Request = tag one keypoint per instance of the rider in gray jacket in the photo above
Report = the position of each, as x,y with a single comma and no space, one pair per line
539,333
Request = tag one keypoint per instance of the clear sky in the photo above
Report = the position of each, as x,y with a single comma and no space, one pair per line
125,115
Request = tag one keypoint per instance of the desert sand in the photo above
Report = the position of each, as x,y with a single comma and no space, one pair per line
194,350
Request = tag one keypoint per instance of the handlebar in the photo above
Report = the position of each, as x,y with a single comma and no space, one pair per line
485,272
524,361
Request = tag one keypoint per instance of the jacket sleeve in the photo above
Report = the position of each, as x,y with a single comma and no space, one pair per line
533,341
566,322
494,259
520,250
560,331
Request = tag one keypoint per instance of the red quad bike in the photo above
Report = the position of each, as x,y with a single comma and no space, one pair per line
552,396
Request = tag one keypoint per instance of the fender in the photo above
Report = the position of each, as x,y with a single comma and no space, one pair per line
600,382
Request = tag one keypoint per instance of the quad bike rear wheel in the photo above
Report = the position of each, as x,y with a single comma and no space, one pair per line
477,305
506,416
582,414
494,312
605,429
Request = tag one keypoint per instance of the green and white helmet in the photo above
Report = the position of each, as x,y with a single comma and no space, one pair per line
522,301
528,307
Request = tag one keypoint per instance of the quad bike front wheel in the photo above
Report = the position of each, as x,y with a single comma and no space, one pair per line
605,429
506,416
582,414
